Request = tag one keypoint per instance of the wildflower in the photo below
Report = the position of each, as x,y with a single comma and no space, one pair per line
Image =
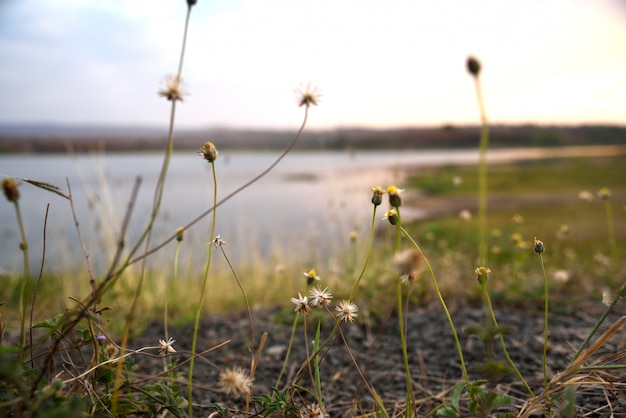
604,193
607,297
561,276
173,89
308,95
165,347
320,298
218,241
234,381
394,196
179,234
517,219
347,311
539,247
465,215
585,196
377,195
353,236
111,350
315,411
563,231
473,66
482,274
302,304
208,152
311,277
9,186
457,181
392,216
409,263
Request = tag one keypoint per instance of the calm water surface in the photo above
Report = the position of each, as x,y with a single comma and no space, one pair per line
305,208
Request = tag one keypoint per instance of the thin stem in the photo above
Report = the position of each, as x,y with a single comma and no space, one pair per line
293,335
26,282
196,325
545,326
367,258
610,225
32,304
482,175
405,355
500,334
443,305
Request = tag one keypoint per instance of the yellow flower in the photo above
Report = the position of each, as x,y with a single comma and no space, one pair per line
311,277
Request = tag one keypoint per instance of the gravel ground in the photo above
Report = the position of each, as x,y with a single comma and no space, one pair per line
375,345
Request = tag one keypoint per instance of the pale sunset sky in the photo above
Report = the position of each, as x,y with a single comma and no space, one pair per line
379,63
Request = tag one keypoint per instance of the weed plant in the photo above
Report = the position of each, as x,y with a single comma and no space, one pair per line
71,363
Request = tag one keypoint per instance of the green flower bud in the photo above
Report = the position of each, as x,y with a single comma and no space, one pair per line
377,196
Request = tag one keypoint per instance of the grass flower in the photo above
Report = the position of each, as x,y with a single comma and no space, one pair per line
166,347
208,152
173,89
604,193
308,95
585,196
302,304
392,216
9,187
482,274
394,196
539,247
235,381
320,298
180,232
218,241
311,277
315,411
377,195
409,263
347,311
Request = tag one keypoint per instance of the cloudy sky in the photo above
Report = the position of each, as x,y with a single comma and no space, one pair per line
379,63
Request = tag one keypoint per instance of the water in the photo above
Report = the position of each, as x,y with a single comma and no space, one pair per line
305,208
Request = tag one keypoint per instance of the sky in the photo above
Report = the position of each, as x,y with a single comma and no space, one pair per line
378,63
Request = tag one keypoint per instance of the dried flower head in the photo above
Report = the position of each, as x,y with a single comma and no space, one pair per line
208,152
482,274
539,247
308,95
377,195
173,89
180,232
604,193
320,298
392,216
347,311
166,347
394,196
302,304
9,186
234,381
473,66
111,350
311,277
409,263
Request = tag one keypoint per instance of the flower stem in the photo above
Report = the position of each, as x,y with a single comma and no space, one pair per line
196,325
405,356
545,326
367,258
443,305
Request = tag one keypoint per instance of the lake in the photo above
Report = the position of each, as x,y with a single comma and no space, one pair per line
304,208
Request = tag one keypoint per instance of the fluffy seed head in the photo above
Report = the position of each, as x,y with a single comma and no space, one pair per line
173,89
302,304
320,298
166,347
308,95
234,381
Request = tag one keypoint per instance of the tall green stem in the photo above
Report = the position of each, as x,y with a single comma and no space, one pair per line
482,175
196,324
405,355
444,306
25,290
367,258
